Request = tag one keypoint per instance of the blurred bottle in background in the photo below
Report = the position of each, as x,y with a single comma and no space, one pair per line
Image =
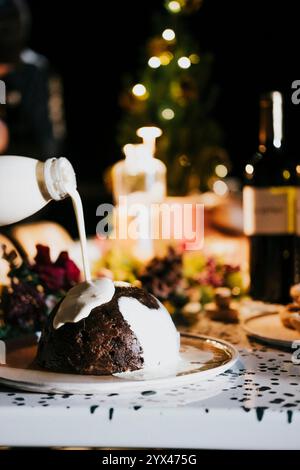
270,205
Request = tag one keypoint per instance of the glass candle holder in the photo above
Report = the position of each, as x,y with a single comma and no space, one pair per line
140,177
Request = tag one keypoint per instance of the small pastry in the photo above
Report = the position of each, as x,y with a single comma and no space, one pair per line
191,311
290,316
295,293
295,321
223,297
223,309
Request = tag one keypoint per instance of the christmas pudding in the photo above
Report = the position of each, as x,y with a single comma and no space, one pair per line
102,328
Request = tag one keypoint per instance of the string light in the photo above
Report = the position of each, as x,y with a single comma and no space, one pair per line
249,169
236,290
154,62
262,148
298,169
174,6
168,34
194,58
184,161
168,114
220,188
221,171
165,58
184,62
286,174
140,91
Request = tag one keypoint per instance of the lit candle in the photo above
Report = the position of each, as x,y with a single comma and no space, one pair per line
149,135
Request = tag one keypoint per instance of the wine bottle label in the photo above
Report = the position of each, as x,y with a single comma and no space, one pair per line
270,211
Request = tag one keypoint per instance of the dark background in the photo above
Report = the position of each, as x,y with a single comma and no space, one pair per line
92,45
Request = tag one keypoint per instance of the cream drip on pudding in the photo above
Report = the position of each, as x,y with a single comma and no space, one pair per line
81,299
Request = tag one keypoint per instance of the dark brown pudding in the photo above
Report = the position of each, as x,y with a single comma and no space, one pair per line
100,344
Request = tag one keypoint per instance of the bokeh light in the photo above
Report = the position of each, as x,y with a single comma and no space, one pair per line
168,114
184,62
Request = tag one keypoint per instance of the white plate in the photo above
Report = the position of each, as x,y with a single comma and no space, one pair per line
201,357
268,328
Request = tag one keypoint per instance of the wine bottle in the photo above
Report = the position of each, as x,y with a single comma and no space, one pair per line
270,202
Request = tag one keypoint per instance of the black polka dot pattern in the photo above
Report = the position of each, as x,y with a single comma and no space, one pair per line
264,380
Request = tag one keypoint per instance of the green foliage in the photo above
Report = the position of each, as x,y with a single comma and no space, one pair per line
235,280
122,265
200,275
193,264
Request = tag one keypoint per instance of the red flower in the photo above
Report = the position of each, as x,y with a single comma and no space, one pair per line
52,278
61,275
42,255
72,272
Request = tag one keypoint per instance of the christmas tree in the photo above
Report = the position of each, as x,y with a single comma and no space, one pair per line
173,92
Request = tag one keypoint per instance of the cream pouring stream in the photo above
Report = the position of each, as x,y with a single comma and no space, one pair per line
61,179
78,209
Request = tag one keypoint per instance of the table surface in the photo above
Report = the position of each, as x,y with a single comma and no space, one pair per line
254,405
